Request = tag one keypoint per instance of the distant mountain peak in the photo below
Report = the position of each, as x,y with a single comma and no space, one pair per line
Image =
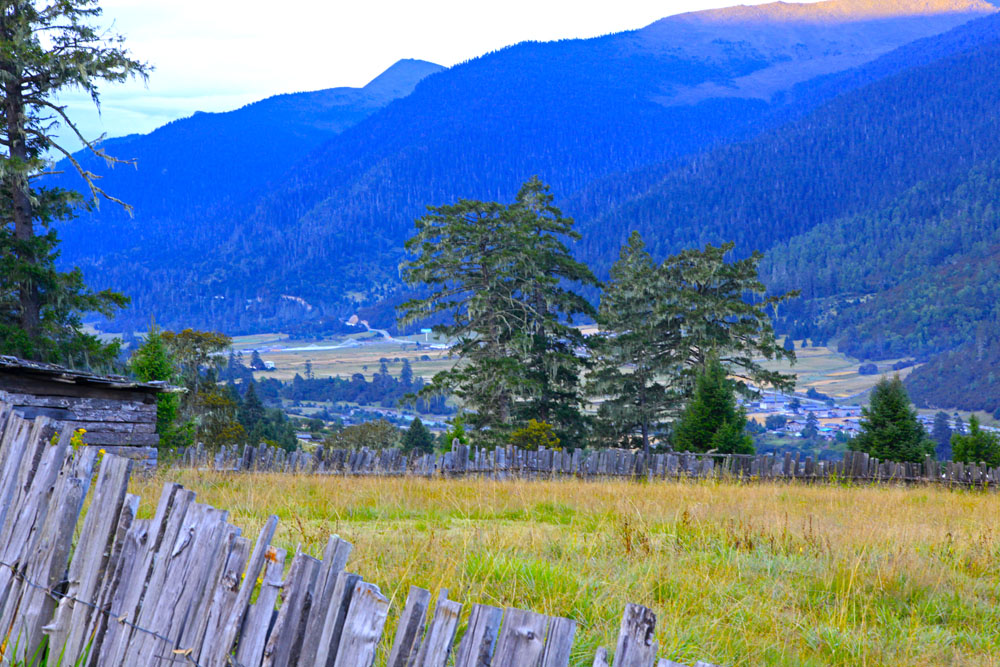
796,41
402,76
837,11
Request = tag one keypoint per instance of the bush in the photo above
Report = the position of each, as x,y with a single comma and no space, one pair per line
377,434
868,369
534,435
775,422
977,447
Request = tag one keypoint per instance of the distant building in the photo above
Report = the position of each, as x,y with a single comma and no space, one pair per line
117,414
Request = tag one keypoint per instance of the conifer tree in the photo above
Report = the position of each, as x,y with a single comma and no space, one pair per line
941,433
153,362
630,360
502,276
890,430
712,419
812,426
977,447
711,306
662,323
417,439
45,50
251,410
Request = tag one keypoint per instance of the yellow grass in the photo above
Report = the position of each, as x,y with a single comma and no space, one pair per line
345,361
760,574
830,372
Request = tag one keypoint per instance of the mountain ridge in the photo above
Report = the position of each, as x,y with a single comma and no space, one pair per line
329,228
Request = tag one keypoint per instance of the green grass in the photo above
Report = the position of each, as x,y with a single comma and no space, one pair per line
761,574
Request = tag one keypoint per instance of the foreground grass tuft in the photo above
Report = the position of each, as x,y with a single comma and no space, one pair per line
737,574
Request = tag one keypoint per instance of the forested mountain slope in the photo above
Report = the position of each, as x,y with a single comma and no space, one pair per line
847,157
882,206
197,169
330,230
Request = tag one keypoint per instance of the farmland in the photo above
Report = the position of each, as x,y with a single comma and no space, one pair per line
738,574
344,356
821,368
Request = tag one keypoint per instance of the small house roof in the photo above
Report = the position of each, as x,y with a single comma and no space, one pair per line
53,373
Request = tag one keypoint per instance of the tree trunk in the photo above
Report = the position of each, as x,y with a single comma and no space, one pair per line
16,182
645,442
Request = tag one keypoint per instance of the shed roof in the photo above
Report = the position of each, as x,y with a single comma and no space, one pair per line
42,371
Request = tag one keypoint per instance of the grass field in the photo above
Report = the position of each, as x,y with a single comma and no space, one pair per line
763,574
344,361
821,368
831,373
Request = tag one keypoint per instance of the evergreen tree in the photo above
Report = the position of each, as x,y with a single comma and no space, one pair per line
959,423
941,433
630,361
501,274
890,430
406,375
256,362
456,432
661,324
417,439
45,50
712,419
977,447
152,362
811,429
251,412
710,306
553,393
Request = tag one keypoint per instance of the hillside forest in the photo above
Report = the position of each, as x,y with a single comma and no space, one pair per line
870,188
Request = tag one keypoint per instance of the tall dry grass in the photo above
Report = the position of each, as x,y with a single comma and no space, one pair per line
759,574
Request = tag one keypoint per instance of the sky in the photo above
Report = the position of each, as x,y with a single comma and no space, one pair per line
217,55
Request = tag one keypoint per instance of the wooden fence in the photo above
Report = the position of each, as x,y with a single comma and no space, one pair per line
185,587
513,462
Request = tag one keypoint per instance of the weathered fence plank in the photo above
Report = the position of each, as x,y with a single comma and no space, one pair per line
480,639
436,647
362,627
410,629
558,642
522,639
253,635
176,588
636,645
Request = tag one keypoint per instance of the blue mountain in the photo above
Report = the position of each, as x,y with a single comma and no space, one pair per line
261,233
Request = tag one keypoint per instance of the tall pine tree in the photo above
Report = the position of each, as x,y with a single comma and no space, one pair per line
890,430
712,420
633,400
502,276
47,49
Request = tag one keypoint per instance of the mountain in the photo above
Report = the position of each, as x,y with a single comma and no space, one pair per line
199,168
307,239
882,205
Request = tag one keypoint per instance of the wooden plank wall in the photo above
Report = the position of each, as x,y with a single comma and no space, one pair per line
185,587
507,462
119,421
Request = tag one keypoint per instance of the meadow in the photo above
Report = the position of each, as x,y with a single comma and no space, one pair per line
738,574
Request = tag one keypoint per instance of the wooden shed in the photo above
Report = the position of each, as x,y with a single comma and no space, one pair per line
119,415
